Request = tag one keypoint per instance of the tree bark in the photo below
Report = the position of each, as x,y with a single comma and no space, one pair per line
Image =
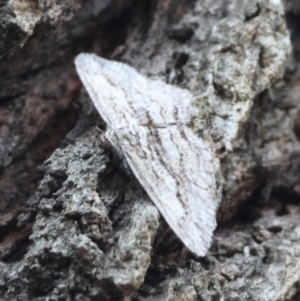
77,228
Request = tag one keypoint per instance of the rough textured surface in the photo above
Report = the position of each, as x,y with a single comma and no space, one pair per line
73,236
20,18
258,263
88,232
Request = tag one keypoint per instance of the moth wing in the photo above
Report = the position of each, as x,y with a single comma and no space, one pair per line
178,171
121,94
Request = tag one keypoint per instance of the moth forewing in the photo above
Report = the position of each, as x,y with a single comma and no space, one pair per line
177,169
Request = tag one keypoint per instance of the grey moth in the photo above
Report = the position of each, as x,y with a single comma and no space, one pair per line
148,120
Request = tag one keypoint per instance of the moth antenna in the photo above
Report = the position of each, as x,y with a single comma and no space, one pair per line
118,150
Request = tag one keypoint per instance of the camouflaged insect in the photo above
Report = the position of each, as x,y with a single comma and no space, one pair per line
148,120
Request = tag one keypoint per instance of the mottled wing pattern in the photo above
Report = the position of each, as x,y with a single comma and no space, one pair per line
148,120
178,171
122,95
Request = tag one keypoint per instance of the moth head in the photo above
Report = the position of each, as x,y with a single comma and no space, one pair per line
104,142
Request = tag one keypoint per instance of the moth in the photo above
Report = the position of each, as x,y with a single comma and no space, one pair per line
149,122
